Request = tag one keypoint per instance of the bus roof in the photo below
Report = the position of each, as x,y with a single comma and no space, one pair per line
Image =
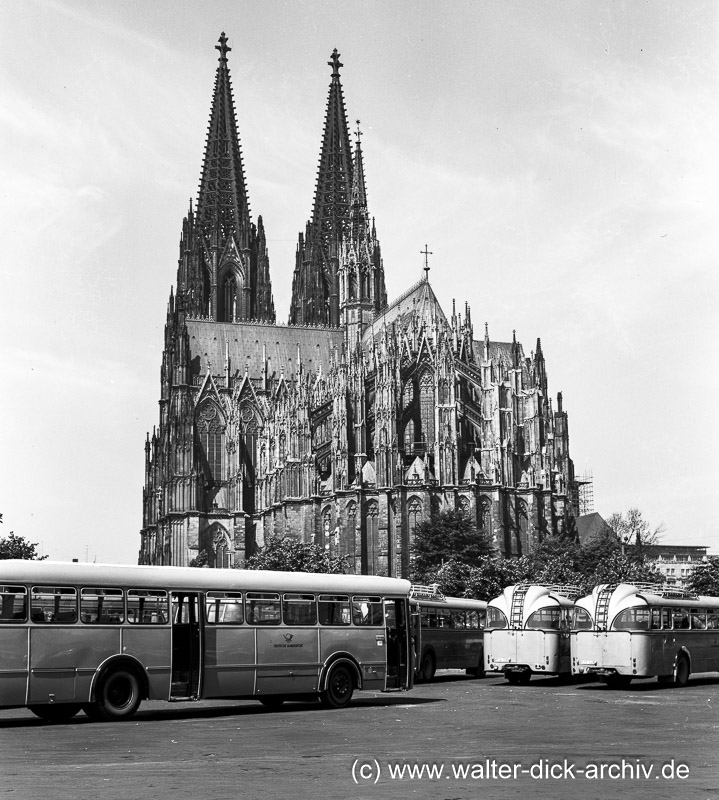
111,575
524,599
617,598
466,603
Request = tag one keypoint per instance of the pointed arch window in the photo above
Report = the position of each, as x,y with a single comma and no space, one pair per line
211,433
426,407
409,437
414,515
229,296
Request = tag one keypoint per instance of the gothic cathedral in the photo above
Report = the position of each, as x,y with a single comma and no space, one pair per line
356,420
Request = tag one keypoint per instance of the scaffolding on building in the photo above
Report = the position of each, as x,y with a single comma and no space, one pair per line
585,486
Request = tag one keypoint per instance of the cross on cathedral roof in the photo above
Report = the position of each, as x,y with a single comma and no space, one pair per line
426,253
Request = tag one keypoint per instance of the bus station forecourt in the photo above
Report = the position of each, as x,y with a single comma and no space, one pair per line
115,642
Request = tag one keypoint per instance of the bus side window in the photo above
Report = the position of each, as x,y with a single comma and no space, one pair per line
367,611
472,620
698,619
656,623
147,606
334,609
299,609
680,618
223,608
13,604
103,606
457,620
262,608
51,604
713,618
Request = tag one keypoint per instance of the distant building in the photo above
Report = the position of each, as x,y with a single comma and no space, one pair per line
675,562
592,526
351,424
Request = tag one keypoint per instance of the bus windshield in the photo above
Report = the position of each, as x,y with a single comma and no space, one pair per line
545,619
495,618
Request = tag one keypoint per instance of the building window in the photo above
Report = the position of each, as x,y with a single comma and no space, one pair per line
426,408
210,429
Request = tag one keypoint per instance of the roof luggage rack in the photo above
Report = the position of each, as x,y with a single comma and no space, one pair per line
431,592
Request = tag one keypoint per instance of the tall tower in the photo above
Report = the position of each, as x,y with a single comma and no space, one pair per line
224,268
338,262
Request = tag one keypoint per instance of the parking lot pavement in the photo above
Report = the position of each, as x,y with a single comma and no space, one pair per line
454,738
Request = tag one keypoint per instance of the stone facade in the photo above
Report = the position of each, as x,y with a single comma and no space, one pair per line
355,421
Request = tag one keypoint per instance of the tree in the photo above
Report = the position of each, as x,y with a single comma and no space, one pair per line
705,578
13,546
449,535
288,554
487,580
622,568
633,530
555,561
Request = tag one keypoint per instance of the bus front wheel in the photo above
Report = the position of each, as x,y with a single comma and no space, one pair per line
339,687
55,712
682,675
428,666
117,696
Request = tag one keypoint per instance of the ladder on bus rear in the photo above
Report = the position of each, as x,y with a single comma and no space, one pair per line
516,612
602,610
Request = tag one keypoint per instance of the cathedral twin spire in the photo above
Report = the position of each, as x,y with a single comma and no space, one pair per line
224,268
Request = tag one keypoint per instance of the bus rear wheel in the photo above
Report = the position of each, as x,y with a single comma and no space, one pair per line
55,712
428,666
116,697
682,675
340,686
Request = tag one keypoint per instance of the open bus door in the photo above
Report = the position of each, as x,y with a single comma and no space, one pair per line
186,646
400,661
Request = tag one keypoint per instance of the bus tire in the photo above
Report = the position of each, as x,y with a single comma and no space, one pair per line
428,666
682,673
117,696
56,712
339,687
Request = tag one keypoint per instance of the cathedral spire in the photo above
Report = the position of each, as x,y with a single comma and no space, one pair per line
334,175
315,284
222,202
223,272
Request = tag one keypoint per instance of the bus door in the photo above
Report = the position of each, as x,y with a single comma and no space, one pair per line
186,646
399,654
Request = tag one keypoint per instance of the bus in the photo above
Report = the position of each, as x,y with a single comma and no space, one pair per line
628,631
528,631
102,638
448,632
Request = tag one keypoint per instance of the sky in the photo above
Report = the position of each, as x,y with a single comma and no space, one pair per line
559,160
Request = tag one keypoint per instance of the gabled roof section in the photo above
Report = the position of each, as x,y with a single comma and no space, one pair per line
417,303
333,193
222,201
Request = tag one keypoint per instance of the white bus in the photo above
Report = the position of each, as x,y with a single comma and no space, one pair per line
631,631
103,638
528,631
448,632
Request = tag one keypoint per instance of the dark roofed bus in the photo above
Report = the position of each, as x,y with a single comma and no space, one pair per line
102,638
